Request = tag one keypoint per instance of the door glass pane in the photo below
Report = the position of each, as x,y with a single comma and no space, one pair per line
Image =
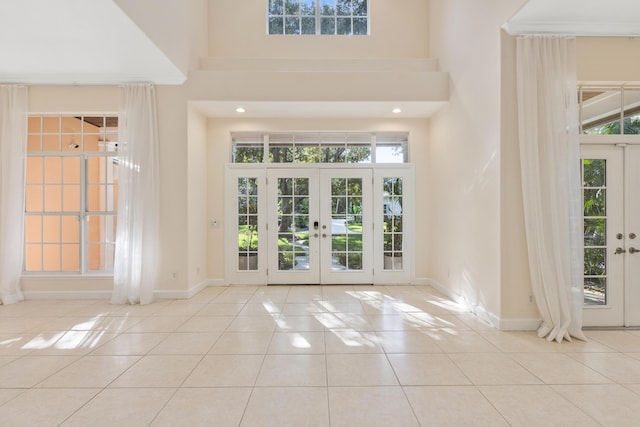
293,223
247,195
346,224
393,231
594,192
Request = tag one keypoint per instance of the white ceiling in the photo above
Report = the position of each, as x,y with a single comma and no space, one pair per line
95,42
577,17
77,42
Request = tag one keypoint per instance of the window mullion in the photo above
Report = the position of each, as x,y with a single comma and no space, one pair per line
318,17
83,212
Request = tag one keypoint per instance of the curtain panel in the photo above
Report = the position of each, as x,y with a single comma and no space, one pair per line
13,139
549,158
138,197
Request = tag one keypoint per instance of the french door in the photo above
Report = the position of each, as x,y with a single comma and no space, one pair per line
611,178
315,225
320,226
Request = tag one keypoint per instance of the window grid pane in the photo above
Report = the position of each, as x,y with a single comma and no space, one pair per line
293,223
312,147
333,17
594,190
393,231
59,235
346,224
247,195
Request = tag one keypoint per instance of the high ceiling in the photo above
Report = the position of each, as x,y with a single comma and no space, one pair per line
96,42
577,17
77,42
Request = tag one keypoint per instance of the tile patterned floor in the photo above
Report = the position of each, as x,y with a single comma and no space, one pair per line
303,356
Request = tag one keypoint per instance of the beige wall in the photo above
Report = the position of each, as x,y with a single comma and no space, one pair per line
197,198
237,29
515,301
173,271
179,29
608,59
465,155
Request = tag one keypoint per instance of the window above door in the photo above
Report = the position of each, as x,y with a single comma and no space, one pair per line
320,147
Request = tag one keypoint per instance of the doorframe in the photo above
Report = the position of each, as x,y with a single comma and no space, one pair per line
622,143
259,170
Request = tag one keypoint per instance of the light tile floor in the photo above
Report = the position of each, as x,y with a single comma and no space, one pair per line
303,355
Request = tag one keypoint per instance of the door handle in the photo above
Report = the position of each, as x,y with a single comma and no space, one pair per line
315,235
620,251
633,250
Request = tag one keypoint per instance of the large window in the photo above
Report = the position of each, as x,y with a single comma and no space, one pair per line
71,193
337,17
320,147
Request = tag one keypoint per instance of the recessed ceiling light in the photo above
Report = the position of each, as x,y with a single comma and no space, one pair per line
240,110
396,111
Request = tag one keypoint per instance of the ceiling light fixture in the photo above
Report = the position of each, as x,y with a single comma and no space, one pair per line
396,111
240,110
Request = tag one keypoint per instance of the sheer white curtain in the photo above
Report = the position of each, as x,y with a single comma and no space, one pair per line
549,158
138,198
13,138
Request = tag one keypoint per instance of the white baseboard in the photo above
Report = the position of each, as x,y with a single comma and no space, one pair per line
519,324
66,295
482,313
216,282
185,294
106,294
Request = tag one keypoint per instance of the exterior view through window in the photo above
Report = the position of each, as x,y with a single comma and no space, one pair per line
332,17
320,147
71,193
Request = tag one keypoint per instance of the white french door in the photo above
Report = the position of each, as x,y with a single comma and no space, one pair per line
320,226
611,178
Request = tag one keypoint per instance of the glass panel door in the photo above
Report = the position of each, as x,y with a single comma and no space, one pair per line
246,254
632,235
346,226
320,226
293,226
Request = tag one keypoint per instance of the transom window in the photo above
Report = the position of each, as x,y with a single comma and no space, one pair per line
337,17
320,147
71,193
607,110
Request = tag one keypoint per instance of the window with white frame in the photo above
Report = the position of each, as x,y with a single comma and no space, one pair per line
320,147
332,17
609,110
71,194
